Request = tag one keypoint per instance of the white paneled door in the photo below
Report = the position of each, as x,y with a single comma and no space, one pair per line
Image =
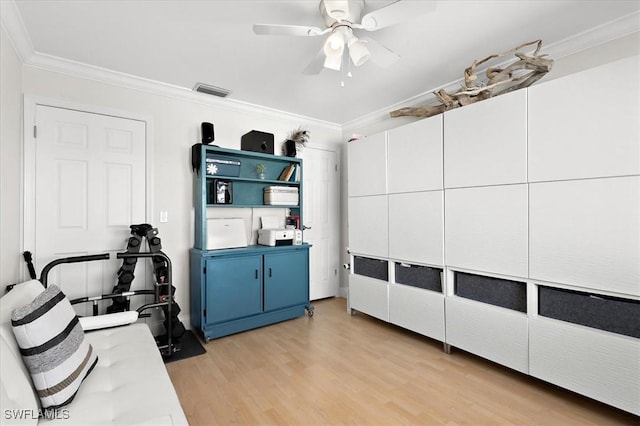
321,217
89,186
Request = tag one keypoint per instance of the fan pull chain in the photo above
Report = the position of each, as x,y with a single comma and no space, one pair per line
342,69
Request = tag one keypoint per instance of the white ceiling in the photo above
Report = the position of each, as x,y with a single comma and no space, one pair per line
185,42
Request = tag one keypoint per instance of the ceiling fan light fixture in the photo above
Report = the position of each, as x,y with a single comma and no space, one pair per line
358,52
335,43
333,50
333,62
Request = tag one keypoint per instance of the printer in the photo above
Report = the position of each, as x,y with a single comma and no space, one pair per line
276,237
274,233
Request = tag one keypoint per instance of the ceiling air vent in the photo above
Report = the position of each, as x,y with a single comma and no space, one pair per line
211,90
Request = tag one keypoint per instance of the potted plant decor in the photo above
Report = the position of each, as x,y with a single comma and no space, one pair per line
260,170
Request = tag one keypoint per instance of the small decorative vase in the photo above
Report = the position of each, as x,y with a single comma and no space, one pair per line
290,148
261,176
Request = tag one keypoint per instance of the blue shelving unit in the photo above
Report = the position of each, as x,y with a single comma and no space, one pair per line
234,290
248,189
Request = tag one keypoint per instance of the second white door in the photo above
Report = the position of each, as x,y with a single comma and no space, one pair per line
321,217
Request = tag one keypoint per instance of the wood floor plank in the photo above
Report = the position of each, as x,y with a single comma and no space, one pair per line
340,369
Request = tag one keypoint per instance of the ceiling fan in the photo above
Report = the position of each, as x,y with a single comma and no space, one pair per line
342,17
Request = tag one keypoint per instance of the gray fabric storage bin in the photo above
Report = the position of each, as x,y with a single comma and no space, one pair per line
613,314
494,291
372,268
419,276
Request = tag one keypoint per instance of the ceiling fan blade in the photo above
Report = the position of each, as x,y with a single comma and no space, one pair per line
290,30
316,64
380,55
395,13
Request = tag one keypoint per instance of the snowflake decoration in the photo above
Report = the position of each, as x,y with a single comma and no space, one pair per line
212,169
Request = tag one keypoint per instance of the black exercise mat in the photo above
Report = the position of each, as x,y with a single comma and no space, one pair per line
188,346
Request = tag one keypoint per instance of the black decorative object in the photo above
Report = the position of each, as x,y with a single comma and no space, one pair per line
196,153
207,133
296,140
290,148
257,141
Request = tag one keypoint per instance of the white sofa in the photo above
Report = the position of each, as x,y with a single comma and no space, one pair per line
128,386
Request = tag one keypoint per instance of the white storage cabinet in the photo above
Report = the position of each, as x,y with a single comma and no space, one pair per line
414,160
486,229
418,310
586,124
486,143
587,233
416,227
369,286
369,225
367,171
601,365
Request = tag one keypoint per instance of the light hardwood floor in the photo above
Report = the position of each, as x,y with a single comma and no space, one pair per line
334,368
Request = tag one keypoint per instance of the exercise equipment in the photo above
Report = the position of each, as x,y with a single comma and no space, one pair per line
163,292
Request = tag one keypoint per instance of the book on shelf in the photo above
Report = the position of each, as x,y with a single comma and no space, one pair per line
295,177
287,172
283,173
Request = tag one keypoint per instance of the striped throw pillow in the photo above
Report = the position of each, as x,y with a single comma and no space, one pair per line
53,347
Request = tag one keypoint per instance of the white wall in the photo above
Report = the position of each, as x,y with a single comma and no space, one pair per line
10,167
176,126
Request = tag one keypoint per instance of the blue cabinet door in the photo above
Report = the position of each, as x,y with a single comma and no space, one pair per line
234,288
286,279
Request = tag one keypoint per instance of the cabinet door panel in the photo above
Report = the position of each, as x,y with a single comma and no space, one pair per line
416,227
587,233
486,229
367,170
576,132
368,225
234,288
600,365
486,143
369,295
497,334
417,309
286,278
415,156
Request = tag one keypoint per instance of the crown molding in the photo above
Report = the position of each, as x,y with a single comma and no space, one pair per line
104,75
601,34
595,36
19,37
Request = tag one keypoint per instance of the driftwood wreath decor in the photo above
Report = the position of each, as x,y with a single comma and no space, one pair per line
522,73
